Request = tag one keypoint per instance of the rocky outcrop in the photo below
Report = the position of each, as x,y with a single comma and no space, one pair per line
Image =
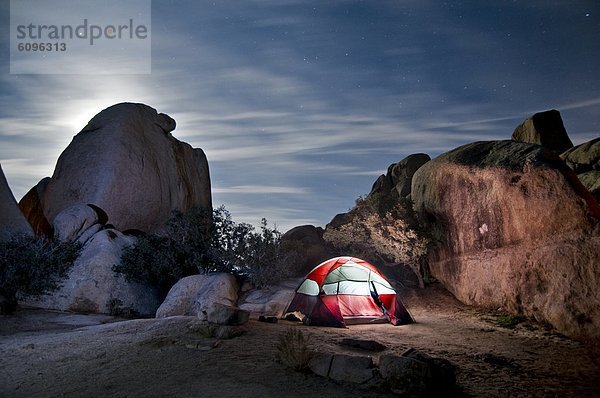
584,159
194,295
12,221
546,129
93,287
308,240
516,229
126,162
398,178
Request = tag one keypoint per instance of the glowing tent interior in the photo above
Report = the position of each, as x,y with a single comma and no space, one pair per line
347,290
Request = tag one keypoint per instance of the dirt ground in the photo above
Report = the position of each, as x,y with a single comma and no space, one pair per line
51,354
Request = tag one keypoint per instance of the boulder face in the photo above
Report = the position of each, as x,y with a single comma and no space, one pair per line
32,207
195,294
546,129
516,229
126,162
584,159
12,221
93,287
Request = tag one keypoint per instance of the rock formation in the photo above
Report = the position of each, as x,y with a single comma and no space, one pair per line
546,129
12,221
584,159
517,230
33,209
195,294
126,162
310,243
399,176
93,287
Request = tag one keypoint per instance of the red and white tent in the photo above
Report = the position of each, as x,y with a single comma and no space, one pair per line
347,290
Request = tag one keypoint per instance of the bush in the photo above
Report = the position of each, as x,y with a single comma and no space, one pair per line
31,267
201,241
293,349
383,229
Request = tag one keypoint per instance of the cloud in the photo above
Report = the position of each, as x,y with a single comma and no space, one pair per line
300,105
261,190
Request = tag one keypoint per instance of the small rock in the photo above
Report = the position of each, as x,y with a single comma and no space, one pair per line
354,369
406,376
320,363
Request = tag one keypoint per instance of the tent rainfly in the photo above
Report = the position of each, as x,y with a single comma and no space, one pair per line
347,290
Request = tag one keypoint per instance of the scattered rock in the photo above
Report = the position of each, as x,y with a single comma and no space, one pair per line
369,345
515,214
126,162
407,376
442,371
221,314
320,363
353,369
193,295
546,129
12,221
416,374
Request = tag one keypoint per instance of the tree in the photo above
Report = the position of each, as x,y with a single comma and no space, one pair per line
384,227
32,267
201,241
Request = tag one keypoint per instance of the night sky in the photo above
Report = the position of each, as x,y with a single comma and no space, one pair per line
300,105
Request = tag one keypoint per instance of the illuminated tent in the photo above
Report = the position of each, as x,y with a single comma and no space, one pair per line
347,290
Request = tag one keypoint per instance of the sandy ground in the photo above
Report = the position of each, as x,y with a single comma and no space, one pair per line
50,354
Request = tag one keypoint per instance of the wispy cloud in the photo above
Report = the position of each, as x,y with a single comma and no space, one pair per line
299,105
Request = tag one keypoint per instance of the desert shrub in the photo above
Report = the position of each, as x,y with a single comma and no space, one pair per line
202,241
116,308
383,229
31,267
505,320
293,349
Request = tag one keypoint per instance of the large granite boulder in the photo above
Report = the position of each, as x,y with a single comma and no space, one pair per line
270,300
546,129
126,162
12,221
584,159
93,287
517,230
195,294
398,178
73,221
